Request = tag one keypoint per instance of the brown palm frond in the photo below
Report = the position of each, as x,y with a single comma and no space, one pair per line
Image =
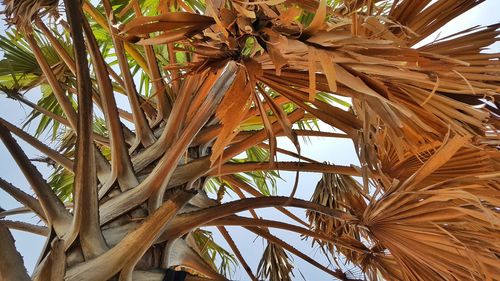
275,264
338,192
446,229
22,12
468,160
343,193
426,16
399,85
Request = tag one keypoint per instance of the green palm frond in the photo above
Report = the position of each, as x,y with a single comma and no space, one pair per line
213,253
48,102
265,181
61,181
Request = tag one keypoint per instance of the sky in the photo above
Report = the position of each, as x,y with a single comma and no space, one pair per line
336,151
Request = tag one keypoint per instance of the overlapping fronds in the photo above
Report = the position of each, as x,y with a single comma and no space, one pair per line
275,264
338,192
152,102
448,228
22,12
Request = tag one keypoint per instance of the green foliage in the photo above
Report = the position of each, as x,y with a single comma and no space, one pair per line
19,71
48,102
213,253
18,68
265,181
213,185
61,181
331,99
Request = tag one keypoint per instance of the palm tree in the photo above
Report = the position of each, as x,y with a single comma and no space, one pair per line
210,87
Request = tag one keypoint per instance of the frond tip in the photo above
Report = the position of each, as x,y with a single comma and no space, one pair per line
275,264
22,12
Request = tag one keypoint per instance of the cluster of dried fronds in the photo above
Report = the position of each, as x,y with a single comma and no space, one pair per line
222,78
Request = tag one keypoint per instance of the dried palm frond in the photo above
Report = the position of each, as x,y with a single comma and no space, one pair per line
468,160
378,264
22,12
275,264
338,192
446,229
426,16
407,94
343,193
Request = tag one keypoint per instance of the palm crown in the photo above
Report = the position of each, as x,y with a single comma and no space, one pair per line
210,86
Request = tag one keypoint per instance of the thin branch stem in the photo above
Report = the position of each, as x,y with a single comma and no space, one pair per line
186,222
239,184
236,251
63,100
121,166
54,209
23,198
27,227
232,168
51,153
143,131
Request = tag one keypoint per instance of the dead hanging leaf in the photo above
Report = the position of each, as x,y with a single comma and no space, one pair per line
211,10
275,264
167,37
244,25
228,17
278,59
275,45
22,12
328,66
270,13
338,192
282,118
254,70
312,73
145,25
318,20
206,50
146,29
267,127
244,11
231,112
